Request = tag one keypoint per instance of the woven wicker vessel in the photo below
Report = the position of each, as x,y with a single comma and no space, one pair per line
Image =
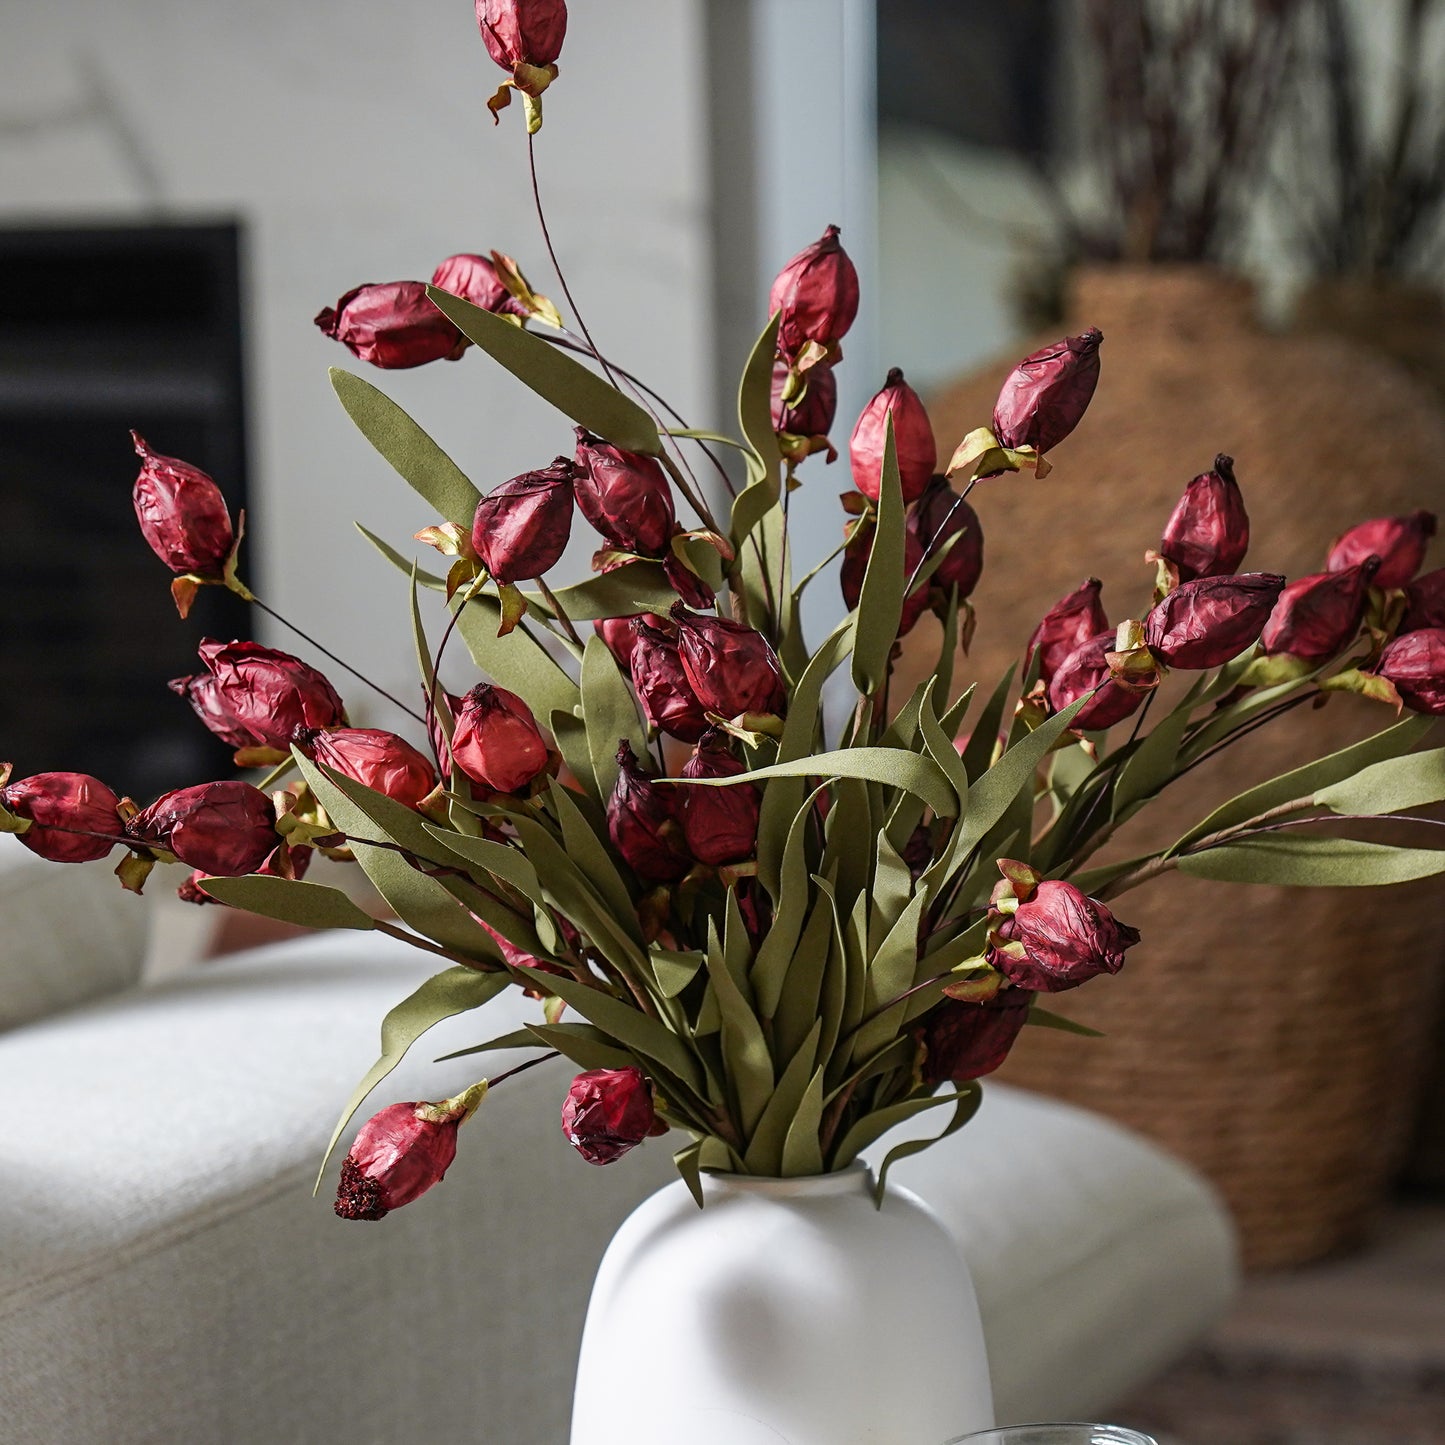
1274,1038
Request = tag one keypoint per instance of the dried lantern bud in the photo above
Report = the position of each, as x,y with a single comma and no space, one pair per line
642,822
687,584
521,527
804,408
1084,669
1208,533
392,325
54,802
620,636
182,514
661,684
1415,664
856,556
625,496
1048,392
1318,616
1055,938
940,513
608,1112
912,440
964,1041
399,1153
721,824
1205,623
475,279
522,32
732,668
496,741
816,295
225,829
1072,621
375,758
1399,543
1425,602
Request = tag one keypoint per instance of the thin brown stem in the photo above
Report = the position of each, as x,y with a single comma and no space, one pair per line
427,946
522,1068
558,611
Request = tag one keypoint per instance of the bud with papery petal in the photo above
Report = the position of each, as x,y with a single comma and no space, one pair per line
496,741
521,527
1205,623
392,325
225,829
608,1112
522,32
856,556
660,681
733,669
625,496
817,294
475,279
54,801
375,758
1415,664
940,513
1072,621
1208,533
400,1153
1425,602
619,636
964,1041
1318,616
642,821
182,514
1047,393
912,440
1049,936
691,588
1086,668
811,407
721,824
1399,543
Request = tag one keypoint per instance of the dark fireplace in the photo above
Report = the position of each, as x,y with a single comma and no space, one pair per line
102,330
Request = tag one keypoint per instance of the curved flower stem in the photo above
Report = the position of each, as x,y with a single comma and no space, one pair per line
942,527
559,611
522,1068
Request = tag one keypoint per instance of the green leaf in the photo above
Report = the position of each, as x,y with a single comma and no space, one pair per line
415,456
404,565
802,1149
574,390
798,1002
890,973
521,1038
764,1154
755,417
593,858
984,736
1413,781
688,1161
748,1066
610,713
518,662
585,1046
880,603
966,1106
312,905
1153,762
673,971
1044,1019
569,732
697,434
1310,861
626,590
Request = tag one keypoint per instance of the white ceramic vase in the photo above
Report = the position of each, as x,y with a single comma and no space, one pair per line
785,1312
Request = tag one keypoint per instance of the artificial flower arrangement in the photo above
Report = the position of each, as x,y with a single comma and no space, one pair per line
776,935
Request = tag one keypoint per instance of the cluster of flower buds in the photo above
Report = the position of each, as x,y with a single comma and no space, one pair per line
609,1112
525,38
654,662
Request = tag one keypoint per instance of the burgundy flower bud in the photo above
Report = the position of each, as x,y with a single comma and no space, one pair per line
817,294
1064,939
182,513
377,759
625,496
912,439
475,279
1048,392
521,527
1415,663
733,669
939,514
53,801
1204,623
1208,533
1085,669
522,32
721,824
496,741
393,326
1067,625
964,1041
856,556
661,684
1318,616
642,822
1399,543
687,584
254,696
618,634
813,413
608,1112
225,829
1425,602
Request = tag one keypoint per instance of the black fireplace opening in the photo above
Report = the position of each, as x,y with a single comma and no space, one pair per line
102,329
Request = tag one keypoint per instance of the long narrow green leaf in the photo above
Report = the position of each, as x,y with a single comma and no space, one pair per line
632,588
312,905
968,1099
610,713
1311,861
1413,781
755,418
983,737
405,565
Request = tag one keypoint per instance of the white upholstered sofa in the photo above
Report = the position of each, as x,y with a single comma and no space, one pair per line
166,1276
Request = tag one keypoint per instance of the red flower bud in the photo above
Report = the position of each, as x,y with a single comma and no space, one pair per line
625,496
813,413
496,741
817,294
1415,663
856,556
1425,602
1205,623
687,584
64,800
912,439
521,527
939,514
642,822
1067,625
254,696
721,824
1085,669
964,1041
1318,616
225,829
1208,533
1048,392
475,279
733,669
1065,938
1399,543
620,636
393,326
522,32
608,1112
182,513
661,684
377,759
